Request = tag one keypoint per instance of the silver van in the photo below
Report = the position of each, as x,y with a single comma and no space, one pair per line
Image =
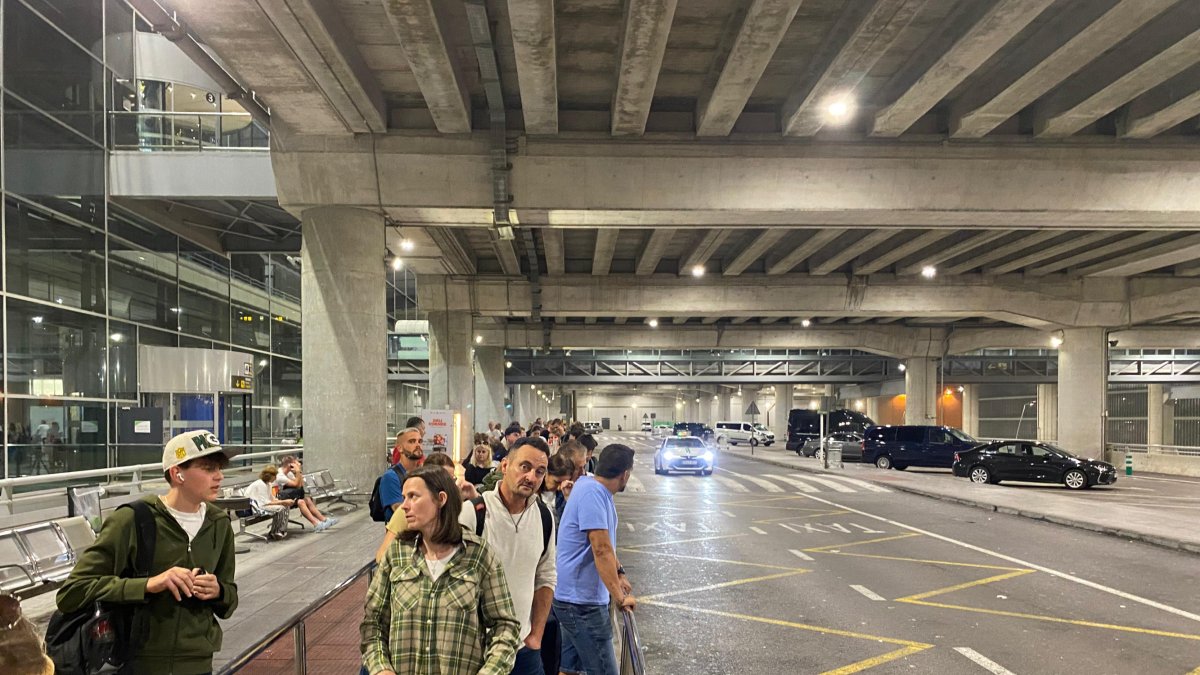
744,432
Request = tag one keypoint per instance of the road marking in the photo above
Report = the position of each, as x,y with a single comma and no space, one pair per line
758,530
963,586
789,528
688,541
822,549
762,483
731,483
1041,568
635,485
1165,480
836,487
983,661
715,560
799,485
855,482
800,554
868,593
731,515
724,584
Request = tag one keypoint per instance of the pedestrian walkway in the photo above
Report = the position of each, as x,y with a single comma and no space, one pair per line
1156,509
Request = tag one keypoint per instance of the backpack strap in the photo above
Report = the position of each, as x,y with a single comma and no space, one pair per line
547,523
146,531
480,514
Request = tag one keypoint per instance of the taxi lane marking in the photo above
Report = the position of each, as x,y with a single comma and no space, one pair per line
730,514
822,549
725,584
1040,568
731,483
868,593
715,560
870,487
799,516
759,530
800,554
907,647
761,482
688,541
799,485
915,599
835,486
983,661
635,485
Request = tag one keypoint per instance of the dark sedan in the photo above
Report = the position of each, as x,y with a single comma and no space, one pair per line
1031,462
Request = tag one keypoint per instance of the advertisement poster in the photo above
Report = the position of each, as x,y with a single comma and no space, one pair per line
442,429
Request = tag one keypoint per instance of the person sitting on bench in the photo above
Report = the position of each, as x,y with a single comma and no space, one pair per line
290,482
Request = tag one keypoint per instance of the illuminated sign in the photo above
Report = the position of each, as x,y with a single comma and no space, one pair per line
243,383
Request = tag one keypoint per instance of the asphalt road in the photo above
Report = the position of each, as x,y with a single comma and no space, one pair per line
757,570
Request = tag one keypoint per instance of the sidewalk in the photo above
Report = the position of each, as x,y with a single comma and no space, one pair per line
1159,510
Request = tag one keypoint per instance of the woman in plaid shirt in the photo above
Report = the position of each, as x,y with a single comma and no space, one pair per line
438,604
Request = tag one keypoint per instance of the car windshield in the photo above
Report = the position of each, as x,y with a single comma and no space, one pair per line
685,442
759,427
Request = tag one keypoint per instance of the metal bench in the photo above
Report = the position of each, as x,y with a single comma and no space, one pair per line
324,487
77,532
16,575
48,551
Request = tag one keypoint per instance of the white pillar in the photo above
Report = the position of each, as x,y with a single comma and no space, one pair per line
1047,412
723,407
871,407
451,372
970,408
1154,414
784,395
489,387
920,391
344,342
1082,391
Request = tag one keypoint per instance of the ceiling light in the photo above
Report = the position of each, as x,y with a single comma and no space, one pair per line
806,323
37,319
653,323
478,339
858,405
406,244
715,397
813,405
116,337
839,109
698,270
902,367
262,363
508,364
929,271
397,263
1055,341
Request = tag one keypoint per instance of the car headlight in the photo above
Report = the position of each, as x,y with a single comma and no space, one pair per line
707,455
667,454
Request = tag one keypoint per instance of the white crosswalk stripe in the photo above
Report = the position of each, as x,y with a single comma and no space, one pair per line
762,483
832,485
634,485
798,484
731,483
870,487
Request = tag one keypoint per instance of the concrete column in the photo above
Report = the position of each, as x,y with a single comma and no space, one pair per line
970,406
871,407
489,386
783,404
1047,412
451,371
1082,391
723,405
344,342
1168,422
920,391
1154,414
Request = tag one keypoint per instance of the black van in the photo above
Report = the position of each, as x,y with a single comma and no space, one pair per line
805,425
899,447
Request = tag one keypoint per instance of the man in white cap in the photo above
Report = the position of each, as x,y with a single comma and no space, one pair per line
191,580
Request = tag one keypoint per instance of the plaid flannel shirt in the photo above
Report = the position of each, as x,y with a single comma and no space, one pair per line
415,625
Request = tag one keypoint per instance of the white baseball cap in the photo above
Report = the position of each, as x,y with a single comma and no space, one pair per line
192,444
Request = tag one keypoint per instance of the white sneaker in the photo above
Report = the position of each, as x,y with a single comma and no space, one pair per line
323,525
332,521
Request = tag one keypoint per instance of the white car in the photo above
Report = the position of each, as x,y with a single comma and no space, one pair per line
591,427
744,432
646,426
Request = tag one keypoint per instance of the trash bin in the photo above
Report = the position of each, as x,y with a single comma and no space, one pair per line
833,456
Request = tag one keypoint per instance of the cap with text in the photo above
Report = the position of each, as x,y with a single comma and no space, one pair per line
192,444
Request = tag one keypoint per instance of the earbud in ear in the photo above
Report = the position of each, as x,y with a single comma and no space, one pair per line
180,477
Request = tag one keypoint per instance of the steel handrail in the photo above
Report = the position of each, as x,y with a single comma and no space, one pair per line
295,624
631,646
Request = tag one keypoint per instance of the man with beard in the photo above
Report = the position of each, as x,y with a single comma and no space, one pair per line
411,456
520,531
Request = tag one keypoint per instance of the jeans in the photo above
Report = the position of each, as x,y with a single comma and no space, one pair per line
586,638
529,662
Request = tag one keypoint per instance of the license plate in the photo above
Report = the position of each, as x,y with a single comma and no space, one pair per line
688,462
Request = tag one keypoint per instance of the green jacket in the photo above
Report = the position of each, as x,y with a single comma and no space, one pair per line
183,635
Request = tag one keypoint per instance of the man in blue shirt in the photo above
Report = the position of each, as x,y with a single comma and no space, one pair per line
390,484
589,573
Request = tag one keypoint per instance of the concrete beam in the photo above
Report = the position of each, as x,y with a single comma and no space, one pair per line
709,320
1166,254
872,36
742,58
606,245
1188,269
999,252
1122,244
534,46
679,320
454,256
707,248
419,26
174,224
1156,338
552,241
915,245
1115,25
1165,106
654,248
995,29
1047,252
739,320
1091,98
643,42
754,250
839,258
967,340
506,253
817,241
950,252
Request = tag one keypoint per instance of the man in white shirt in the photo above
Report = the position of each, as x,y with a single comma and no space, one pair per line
520,531
259,492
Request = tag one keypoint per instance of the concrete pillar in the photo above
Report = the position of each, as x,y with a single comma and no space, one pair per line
1168,422
1082,391
723,405
1154,414
783,404
489,387
1047,412
344,342
920,391
452,373
970,408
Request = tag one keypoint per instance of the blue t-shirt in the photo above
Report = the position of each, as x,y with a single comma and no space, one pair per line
590,507
391,490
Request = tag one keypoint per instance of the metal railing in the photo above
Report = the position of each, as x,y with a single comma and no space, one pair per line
295,626
158,130
633,661
1144,449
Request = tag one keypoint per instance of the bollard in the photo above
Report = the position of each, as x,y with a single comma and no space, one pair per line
1128,463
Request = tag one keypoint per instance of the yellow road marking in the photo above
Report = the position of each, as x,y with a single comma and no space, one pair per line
759,502
1055,619
824,549
724,584
923,560
715,560
907,646
801,515
959,587
688,541
1195,672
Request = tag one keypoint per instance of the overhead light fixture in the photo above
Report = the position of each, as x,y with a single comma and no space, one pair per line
406,244
653,323
478,339
839,109
397,263
813,404
37,319
715,397
858,405
961,389
806,323
1056,341
929,271
698,270
116,337
262,363
902,367
508,364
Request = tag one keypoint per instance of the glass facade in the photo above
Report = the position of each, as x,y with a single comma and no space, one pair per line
84,283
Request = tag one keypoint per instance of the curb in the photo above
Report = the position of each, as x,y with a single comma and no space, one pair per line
1164,542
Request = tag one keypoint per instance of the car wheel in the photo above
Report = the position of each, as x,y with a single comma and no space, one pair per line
819,454
1075,479
733,442
658,471
980,474
900,467
706,472
883,462
753,442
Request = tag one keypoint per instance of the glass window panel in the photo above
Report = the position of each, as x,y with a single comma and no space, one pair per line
53,259
51,165
142,285
188,341
196,130
48,70
119,38
57,435
122,360
285,329
239,130
285,383
123,132
140,231
285,276
203,316
250,327
158,338
55,351
80,20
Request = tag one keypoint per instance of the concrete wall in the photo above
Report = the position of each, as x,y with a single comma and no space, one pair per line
1153,463
627,411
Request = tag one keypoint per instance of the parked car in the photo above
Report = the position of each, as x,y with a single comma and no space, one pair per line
684,453
848,442
592,427
1034,462
805,425
899,447
744,432
647,426
696,429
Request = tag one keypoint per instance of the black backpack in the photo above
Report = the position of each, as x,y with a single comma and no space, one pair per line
100,638
547,519
376,504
